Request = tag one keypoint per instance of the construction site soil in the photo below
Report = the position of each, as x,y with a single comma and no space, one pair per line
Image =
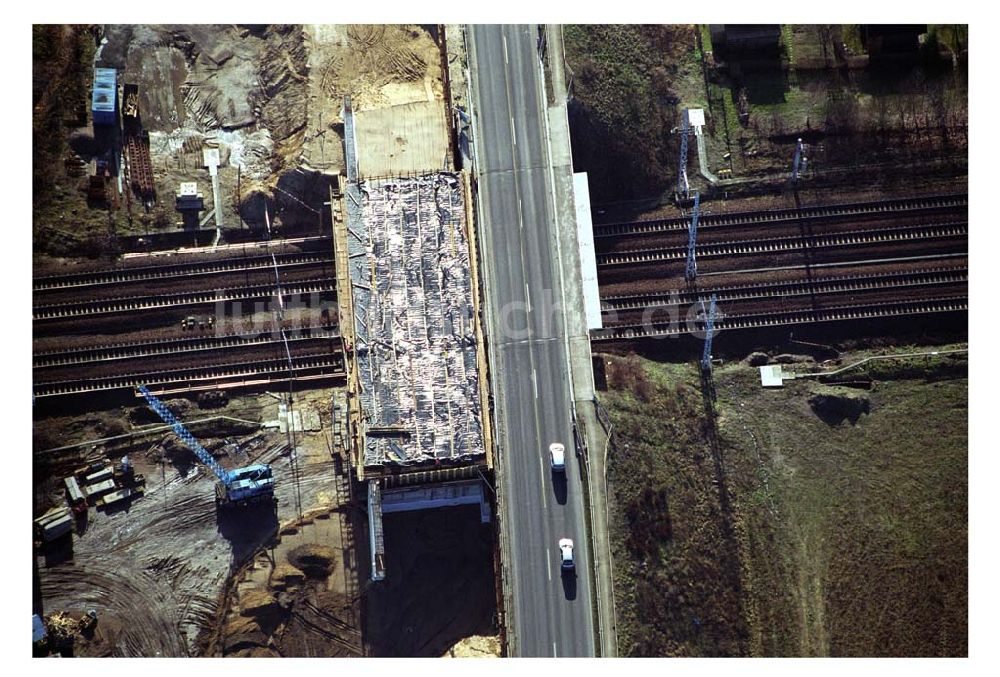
249,583
152,599
810,520
298,597
269,98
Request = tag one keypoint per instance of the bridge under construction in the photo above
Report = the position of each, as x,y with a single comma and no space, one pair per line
407,288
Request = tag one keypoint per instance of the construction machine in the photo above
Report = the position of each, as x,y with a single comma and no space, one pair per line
251,485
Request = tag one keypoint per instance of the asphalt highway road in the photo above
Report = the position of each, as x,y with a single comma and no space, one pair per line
552,612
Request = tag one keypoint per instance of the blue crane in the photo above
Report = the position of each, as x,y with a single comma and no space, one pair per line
243,486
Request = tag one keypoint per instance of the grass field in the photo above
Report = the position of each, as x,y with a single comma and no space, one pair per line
627,83
792,534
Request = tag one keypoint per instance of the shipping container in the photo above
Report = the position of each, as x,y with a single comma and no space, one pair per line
104,487
115,496
52,515
54,524
57,528
101,475
73,491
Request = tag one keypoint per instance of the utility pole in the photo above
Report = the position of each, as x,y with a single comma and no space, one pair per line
239,194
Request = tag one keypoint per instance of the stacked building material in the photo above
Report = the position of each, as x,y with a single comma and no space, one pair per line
140,166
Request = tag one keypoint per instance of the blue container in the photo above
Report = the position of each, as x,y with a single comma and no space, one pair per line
105,98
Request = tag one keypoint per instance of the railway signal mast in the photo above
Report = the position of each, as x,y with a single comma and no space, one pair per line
706,356
691,269
243,486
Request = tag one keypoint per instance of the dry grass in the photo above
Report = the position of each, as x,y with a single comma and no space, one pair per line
676,576
846,539
627,82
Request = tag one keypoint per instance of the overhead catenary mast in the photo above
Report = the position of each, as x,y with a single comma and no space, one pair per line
682,173
706,356
691,269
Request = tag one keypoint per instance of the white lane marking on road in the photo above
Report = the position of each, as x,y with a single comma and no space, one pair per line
527,341
548,564
505,60
534,382
555,651
527,296
513,133
545,500
520,215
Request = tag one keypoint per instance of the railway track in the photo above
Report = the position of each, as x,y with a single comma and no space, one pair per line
141,350
767,290
180,270
817,214
793,243
199,298
864,311
315,365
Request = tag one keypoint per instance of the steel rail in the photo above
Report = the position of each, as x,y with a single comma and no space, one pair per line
332,364
772,319
142,350
767,290
791,243
197,298
178,270
819,213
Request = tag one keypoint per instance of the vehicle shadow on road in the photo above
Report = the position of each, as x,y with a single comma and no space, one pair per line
569,584
559,487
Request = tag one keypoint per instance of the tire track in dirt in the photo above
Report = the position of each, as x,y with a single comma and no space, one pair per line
157,567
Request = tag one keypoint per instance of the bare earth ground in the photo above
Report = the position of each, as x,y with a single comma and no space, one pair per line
299,596
168,577
269,98
800,535
475,647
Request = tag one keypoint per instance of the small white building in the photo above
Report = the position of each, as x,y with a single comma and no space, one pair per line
771,376
696,119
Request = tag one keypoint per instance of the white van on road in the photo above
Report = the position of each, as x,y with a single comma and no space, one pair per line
557,457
